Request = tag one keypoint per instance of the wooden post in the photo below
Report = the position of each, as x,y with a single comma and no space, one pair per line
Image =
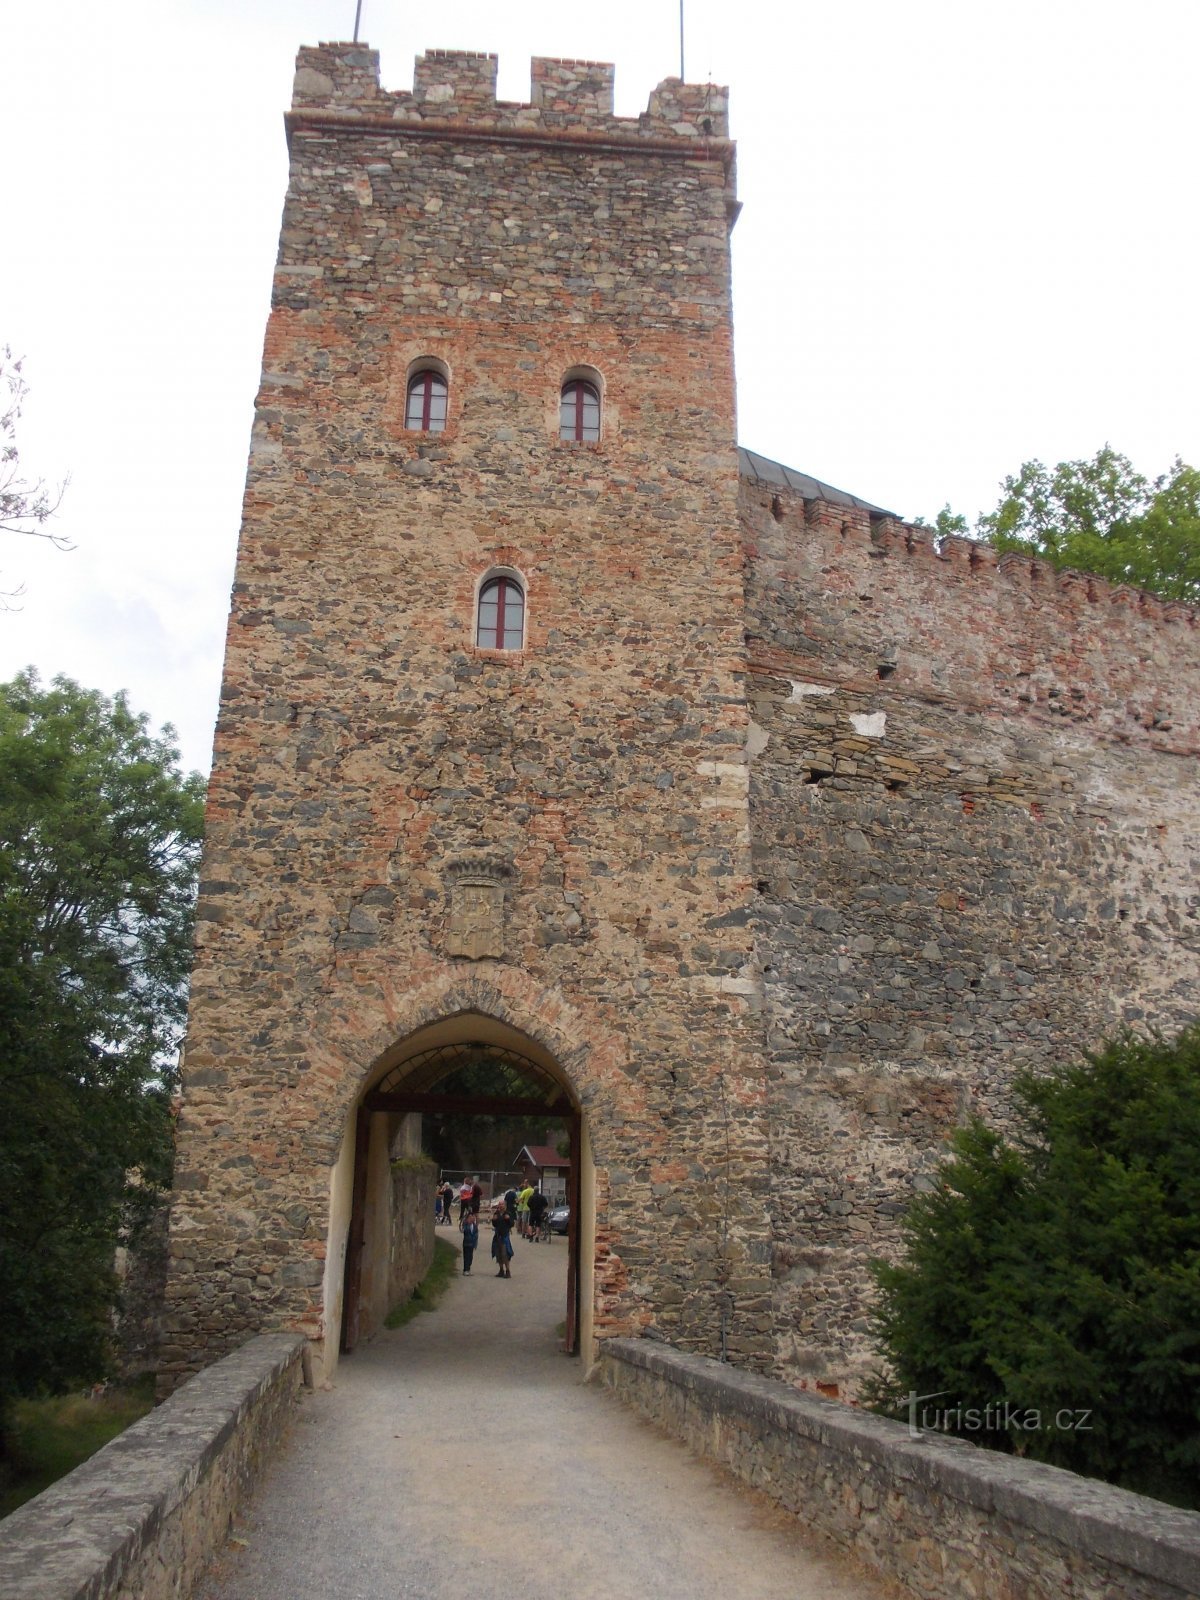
358,1231
574,1143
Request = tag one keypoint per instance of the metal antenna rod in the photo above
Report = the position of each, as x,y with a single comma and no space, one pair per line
682,75
358,18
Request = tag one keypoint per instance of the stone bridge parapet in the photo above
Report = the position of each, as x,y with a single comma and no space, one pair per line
140,1519
940,1515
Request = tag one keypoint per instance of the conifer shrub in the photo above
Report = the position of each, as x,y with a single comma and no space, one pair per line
1048,1299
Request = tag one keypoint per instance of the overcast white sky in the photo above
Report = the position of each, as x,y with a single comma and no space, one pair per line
970,237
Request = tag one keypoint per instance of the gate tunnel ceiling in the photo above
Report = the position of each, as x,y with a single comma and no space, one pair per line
423,1073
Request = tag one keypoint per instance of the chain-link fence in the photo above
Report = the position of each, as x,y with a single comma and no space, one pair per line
492,1183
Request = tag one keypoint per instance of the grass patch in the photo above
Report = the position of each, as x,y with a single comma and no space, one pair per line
50,1438
431,1288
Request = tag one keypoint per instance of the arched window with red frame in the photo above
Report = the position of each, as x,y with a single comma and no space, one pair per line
500,624
579,412
425,411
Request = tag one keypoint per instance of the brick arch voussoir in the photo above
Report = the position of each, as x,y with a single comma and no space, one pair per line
590,1056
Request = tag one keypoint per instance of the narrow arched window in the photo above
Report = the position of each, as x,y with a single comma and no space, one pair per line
501,624
426,408
579,414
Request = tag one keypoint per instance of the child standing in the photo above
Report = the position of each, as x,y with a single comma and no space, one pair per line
469,1228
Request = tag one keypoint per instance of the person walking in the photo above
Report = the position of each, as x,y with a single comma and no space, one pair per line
538,1207
501,1242
469,1228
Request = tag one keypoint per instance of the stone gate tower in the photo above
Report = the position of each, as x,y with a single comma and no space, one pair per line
480,769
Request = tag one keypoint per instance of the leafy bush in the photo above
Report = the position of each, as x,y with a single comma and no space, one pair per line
1058,1272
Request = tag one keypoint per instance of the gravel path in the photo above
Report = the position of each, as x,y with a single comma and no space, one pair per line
462,1458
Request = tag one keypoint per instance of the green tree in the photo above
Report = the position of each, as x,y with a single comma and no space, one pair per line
1099,516
99,837
1059,1272
462,1140
947,522
1102,516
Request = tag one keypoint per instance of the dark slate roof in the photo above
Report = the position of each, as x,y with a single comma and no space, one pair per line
774,476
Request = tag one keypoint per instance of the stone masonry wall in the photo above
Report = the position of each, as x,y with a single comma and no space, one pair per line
141,1268
809,834
975,807
939,1516
412,1237
367,749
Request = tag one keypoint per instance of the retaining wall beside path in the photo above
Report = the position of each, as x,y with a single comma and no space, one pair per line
139,1520
944,1517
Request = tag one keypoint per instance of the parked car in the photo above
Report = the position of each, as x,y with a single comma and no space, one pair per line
560,1219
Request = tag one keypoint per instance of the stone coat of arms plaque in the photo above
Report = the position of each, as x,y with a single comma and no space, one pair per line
476,920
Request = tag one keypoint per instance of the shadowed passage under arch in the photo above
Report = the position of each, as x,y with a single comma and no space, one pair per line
465,1077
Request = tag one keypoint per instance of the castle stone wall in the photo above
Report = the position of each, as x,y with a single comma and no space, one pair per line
367,750
976,815
799,835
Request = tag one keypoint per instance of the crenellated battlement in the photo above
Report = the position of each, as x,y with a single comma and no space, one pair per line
459,86
572,87
957,556
959,621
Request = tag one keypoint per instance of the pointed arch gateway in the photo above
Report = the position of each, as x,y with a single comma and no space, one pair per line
416,1077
